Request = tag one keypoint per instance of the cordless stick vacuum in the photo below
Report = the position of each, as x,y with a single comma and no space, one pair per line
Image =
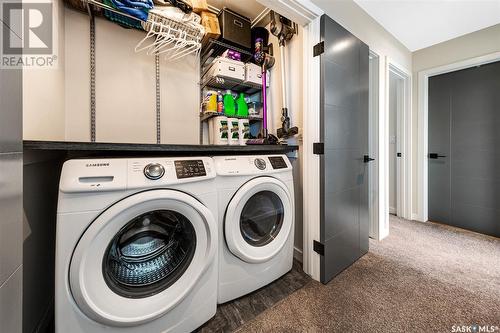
263,57
284,29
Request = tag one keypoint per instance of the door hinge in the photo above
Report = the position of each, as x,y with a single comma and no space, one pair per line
367,159
318,148
319,248
318,49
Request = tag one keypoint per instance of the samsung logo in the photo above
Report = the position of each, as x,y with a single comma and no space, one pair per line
90,165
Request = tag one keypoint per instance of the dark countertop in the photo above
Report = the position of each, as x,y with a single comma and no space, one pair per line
82,149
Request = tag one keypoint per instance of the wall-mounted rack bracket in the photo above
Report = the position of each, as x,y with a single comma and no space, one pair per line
92,32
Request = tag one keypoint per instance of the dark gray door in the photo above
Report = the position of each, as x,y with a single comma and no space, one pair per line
344,132
439,143
464,153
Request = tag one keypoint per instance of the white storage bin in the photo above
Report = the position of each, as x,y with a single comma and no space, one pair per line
253,73
226,68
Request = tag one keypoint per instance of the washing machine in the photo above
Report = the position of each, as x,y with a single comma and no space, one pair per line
136,246
256,222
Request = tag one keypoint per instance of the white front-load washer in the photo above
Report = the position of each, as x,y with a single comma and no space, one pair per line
136,246
256,222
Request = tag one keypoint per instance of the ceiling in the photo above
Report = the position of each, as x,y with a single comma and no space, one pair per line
422,23
248,8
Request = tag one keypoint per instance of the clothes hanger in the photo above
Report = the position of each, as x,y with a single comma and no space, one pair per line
179,44
150,34
164,37
194,47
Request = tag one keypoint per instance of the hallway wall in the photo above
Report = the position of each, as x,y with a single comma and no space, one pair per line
475,44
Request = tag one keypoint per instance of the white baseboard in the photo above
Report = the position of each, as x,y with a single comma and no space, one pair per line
297,254
417,217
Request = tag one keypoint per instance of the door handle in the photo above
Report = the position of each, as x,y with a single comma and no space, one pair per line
435,155
367,159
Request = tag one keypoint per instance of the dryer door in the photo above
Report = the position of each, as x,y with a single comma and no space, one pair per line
259,219
141,257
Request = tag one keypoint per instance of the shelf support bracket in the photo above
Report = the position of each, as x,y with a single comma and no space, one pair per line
92,78
158,99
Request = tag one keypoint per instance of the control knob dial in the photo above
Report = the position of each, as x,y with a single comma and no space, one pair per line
154,171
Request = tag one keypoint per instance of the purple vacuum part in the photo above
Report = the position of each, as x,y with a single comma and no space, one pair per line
264,101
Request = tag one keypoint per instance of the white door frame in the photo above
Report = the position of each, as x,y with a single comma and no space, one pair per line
423,125
311,175
374,145
404,142
307,14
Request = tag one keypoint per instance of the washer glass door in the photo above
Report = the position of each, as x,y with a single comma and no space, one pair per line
259,219
141,257
149,253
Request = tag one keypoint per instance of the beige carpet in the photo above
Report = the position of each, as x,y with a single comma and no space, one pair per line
422,278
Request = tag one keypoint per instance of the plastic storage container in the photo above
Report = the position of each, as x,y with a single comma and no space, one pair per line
253,73
226,68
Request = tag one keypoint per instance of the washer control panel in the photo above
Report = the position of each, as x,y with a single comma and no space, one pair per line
189,168
154,171
260,163
111,174
146,172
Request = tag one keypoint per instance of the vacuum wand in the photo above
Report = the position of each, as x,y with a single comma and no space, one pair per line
284,29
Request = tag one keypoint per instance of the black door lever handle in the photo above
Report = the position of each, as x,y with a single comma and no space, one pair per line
367,159
435,155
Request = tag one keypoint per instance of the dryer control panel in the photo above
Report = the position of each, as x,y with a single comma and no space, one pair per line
251,165
278,162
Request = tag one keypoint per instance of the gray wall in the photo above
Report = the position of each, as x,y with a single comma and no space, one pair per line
465,47
11,226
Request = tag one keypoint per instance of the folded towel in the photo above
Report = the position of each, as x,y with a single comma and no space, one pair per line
135,8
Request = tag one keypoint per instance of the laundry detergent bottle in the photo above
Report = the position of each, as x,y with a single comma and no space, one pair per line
241,106
229,105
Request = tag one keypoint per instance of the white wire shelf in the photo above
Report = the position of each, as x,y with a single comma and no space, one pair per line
206,116
225,83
